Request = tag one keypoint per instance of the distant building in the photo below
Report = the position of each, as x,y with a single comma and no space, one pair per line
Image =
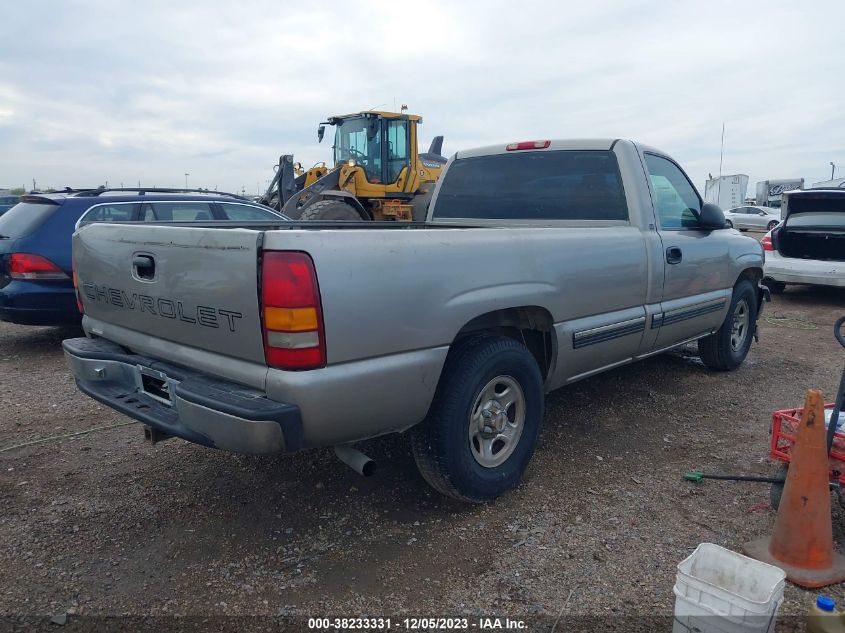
836,183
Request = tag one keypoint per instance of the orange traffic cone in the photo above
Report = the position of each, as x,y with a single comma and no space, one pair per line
802,541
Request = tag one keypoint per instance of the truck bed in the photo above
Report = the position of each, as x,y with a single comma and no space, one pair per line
293,225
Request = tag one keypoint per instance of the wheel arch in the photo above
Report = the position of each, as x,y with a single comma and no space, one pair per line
753,274
531,325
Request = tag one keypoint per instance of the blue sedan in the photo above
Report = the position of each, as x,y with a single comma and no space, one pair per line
36,270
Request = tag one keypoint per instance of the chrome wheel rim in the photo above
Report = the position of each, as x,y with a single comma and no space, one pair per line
739,327
496,421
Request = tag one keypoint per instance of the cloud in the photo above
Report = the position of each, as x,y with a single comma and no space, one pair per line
120,91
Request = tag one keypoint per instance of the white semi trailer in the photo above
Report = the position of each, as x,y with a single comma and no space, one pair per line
726,191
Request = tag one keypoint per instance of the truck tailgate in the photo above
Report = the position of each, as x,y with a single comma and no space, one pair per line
197,286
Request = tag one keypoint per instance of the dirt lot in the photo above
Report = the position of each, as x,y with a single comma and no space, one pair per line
104,524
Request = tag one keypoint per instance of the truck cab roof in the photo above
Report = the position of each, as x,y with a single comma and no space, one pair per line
553,144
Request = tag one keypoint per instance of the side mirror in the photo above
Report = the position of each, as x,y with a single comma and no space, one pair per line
320,133
711,217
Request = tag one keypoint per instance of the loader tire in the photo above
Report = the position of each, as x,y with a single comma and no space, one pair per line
489,379
725,349
326,210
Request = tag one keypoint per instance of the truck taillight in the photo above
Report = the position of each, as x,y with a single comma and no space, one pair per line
766,242
79,305
33,267
292,317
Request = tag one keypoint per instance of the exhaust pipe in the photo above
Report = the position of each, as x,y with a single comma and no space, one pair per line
355,459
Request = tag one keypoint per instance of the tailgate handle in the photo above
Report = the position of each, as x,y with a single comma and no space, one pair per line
144,266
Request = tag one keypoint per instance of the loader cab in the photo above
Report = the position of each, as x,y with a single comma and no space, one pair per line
381,143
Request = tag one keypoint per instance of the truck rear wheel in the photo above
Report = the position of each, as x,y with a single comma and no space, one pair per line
331,210
482,427
725,349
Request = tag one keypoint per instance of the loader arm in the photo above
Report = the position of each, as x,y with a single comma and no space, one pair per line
297,203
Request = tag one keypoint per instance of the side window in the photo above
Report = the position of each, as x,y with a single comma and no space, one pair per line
176,212
675,200
247,213
108,213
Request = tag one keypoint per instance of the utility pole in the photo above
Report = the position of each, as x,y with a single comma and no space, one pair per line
186,179
832,169
33,184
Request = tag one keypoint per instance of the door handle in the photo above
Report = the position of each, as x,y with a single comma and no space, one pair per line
144,266
674,255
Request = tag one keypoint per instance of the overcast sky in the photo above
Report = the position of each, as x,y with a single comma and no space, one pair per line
120,91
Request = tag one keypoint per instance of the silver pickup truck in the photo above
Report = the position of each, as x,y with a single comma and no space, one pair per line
540,263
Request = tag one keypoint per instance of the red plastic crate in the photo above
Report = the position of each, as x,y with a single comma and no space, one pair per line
784,425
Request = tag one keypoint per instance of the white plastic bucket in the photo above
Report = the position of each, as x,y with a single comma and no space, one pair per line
720,591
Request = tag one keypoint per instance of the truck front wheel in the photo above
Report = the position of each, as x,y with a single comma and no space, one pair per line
482,427
725,349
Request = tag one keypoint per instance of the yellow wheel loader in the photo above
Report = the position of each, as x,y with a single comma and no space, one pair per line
378,173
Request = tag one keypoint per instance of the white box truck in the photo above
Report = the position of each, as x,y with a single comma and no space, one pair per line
770,192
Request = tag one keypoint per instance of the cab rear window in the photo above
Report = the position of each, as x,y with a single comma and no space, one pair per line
24,219
561,185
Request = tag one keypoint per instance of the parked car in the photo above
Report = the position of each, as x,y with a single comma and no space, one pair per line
35,241
541,263
753,218
7,202
809,246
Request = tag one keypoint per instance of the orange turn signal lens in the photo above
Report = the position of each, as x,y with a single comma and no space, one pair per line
290,319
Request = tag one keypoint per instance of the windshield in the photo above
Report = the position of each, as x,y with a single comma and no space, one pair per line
359,140
23,218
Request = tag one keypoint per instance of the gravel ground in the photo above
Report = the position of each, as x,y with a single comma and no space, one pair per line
105,525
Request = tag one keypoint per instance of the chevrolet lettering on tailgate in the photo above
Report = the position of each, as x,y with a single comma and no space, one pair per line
206,316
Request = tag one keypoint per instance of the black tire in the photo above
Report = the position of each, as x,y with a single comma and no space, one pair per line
326,210
776,491
442,444
775,287
772,225
719,351
729,224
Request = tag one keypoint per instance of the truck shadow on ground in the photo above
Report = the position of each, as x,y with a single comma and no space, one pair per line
36,341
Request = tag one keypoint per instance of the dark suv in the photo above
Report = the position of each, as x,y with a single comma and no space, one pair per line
36,286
